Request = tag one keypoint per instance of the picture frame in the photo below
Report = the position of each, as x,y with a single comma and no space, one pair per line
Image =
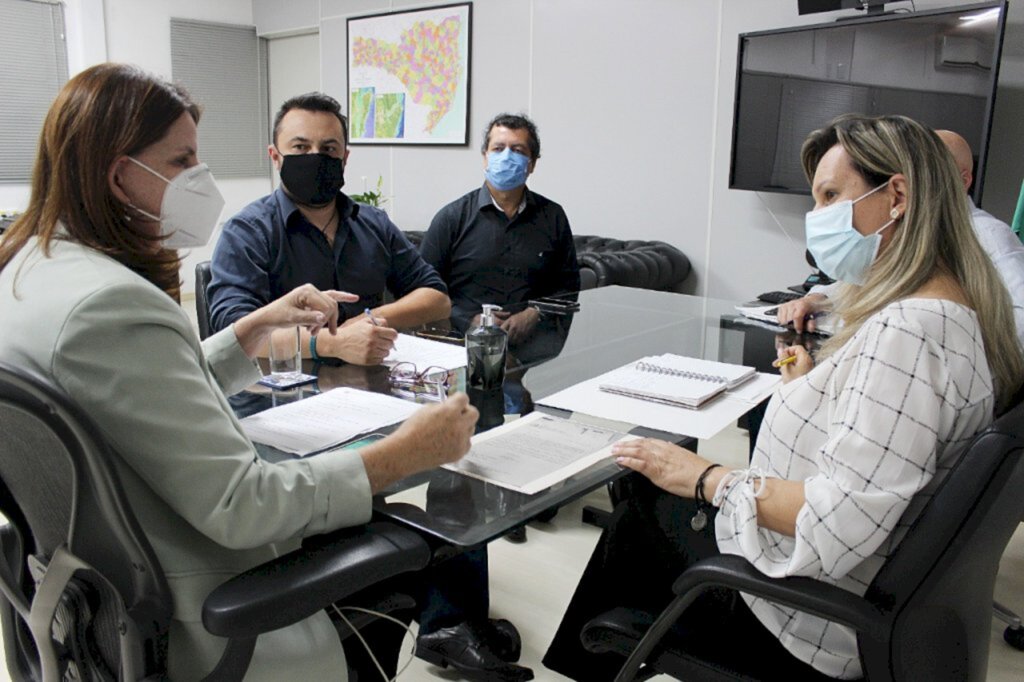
409,76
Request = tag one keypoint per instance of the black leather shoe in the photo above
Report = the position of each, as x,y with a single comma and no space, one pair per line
465,648
505,640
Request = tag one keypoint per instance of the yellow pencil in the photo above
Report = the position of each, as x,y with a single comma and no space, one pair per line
786,361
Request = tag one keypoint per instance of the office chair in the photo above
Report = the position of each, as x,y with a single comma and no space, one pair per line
203,276
84,595
926,615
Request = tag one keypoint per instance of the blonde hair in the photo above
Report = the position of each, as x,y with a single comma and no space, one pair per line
934,235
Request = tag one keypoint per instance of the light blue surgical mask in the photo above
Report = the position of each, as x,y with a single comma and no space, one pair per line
840,251
506,169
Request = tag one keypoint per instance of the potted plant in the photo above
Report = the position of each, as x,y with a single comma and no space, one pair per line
373,197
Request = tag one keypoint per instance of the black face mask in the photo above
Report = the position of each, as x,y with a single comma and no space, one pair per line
312,179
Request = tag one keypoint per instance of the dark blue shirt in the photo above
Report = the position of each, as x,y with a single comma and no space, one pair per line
269,248
485,257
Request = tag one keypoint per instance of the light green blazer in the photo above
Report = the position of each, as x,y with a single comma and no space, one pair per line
127,354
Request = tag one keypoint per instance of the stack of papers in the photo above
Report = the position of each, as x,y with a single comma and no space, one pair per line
533,453
317,423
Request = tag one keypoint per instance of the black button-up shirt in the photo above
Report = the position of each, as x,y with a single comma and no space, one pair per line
485,257
269,248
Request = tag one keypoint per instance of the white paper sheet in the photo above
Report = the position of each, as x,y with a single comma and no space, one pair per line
536,451
705,422
311,425
426,353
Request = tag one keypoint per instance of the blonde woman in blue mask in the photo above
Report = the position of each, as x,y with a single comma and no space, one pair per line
852,443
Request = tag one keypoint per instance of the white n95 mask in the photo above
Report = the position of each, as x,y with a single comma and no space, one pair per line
190,207
839,250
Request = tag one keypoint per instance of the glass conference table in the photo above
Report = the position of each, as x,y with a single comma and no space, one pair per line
612,326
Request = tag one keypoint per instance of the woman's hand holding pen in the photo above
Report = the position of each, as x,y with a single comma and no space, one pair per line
793,362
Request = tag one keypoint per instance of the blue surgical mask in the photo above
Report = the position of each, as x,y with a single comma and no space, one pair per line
840,251
506,169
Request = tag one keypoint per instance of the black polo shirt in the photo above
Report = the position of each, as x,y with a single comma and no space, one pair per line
485,257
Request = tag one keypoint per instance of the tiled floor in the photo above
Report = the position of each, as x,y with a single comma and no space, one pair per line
531,583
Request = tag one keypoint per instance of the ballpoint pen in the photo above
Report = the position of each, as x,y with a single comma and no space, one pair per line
372,318
785,361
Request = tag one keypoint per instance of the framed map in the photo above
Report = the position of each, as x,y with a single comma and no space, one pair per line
408,76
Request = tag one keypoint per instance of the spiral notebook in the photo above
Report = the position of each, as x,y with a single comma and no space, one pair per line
676,380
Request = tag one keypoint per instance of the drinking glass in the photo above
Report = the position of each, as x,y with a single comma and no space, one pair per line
285,354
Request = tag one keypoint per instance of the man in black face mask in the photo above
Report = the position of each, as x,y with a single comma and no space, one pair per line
307,231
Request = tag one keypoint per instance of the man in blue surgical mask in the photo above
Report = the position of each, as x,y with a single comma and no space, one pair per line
308,231
502,243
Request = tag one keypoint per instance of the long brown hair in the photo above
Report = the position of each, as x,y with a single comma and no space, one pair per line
104,112
935,235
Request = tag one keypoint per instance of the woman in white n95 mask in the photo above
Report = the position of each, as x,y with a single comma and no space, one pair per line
88,289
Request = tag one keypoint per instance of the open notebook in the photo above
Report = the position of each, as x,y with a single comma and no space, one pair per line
676,380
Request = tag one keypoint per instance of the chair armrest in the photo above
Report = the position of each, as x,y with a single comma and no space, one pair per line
297,585
804,594
735,572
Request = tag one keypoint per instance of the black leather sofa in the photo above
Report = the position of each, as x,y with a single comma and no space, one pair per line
633,263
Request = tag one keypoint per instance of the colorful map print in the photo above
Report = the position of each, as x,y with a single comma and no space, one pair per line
426,60
361,112
389,116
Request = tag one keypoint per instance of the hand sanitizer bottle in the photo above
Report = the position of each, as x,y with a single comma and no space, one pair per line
486,345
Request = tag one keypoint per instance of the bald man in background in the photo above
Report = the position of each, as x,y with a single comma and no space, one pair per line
996,238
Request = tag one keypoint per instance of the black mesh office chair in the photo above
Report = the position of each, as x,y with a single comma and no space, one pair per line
202,303
926,616
85,597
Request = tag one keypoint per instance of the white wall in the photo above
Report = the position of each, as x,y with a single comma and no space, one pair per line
293,63
634,104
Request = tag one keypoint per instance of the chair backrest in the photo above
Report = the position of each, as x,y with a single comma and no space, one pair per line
203,276
936,588
68,517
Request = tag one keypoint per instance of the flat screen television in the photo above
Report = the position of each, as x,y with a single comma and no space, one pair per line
939,67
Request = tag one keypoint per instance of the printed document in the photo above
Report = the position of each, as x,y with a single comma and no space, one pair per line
425,353
314,424
536,451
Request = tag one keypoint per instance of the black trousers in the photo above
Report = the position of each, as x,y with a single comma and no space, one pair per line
647,544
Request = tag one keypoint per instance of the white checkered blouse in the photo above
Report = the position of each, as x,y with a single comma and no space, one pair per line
869,428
